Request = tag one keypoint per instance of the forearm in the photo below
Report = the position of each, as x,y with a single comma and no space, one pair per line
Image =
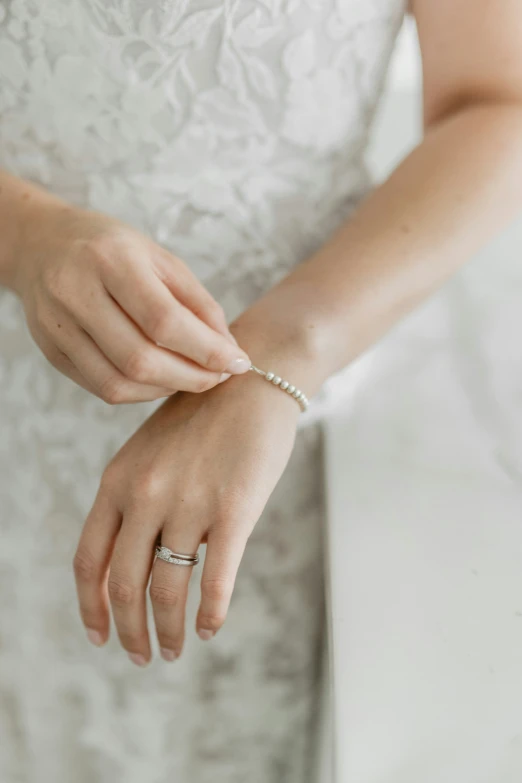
18,201
445,200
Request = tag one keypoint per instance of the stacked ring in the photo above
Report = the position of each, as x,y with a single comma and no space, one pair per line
174,558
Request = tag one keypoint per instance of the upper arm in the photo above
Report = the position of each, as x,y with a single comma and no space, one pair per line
471,51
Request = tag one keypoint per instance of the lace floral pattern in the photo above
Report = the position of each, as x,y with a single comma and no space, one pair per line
167,113
231,131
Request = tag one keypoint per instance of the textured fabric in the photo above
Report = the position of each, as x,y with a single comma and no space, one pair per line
233,133
239,708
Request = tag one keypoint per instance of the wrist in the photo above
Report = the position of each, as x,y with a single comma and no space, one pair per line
281,333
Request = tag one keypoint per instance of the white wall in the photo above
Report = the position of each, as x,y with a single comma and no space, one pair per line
424,477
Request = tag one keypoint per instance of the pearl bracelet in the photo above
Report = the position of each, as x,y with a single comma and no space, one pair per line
276,380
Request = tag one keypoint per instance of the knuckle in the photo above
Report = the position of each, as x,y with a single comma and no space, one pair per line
146,489
213,620
121,593
203,384
217,359
114,390
86,569
164,596
139,367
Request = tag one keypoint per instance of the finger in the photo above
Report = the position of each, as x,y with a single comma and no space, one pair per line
170,324
224,553
139,360
62,363
67,368
188,290
185,333
101,376
169,587
91,564
129,574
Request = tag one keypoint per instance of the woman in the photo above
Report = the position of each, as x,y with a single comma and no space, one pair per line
139,139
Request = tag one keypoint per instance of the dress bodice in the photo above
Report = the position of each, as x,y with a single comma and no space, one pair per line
232,131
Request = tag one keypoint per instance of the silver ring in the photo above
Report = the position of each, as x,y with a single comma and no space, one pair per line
174,558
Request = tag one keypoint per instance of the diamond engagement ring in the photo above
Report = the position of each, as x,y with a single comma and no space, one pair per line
166,554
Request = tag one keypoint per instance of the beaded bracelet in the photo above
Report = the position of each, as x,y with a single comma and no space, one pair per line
276,380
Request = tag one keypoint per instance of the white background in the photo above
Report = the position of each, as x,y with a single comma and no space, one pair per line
424,484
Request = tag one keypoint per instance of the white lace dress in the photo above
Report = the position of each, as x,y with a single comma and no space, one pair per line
231,131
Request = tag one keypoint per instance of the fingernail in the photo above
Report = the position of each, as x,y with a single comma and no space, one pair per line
224,376
205,635
94,637
138,659
168,655
238,366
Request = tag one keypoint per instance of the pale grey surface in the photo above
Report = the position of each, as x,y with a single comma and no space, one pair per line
425,543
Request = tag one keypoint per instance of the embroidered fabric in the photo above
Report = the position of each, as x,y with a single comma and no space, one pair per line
232,132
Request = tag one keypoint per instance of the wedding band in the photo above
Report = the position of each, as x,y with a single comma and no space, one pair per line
174,558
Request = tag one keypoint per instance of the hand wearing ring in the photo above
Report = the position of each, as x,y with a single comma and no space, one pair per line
184,478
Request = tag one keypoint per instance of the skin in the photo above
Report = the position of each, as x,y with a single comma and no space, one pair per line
215,494
77,273
185,473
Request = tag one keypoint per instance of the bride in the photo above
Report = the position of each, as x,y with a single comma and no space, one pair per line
183,197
